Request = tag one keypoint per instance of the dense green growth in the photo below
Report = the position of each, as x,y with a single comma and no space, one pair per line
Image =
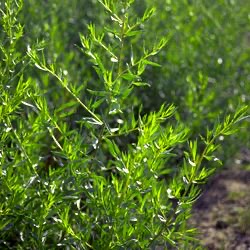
111,118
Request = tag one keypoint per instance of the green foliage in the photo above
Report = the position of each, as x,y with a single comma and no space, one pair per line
206,60
84,163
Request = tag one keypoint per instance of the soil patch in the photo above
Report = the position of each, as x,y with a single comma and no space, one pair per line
222,214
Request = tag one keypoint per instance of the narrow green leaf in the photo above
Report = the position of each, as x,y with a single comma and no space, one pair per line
141,84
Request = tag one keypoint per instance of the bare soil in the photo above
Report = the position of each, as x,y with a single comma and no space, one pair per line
222,214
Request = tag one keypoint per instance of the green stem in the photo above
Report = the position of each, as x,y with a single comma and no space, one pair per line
120,57
77,98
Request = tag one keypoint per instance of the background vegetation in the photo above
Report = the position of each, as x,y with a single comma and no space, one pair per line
113,115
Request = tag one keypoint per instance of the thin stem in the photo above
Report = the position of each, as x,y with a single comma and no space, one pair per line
121,55
77,98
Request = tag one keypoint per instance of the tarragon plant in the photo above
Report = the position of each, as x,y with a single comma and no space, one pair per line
107,178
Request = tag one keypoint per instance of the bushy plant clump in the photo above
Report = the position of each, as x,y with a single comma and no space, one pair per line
83,165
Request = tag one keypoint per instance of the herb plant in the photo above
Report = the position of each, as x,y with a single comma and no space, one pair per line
84,166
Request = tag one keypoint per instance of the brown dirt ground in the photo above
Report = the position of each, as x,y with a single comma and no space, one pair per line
222,214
